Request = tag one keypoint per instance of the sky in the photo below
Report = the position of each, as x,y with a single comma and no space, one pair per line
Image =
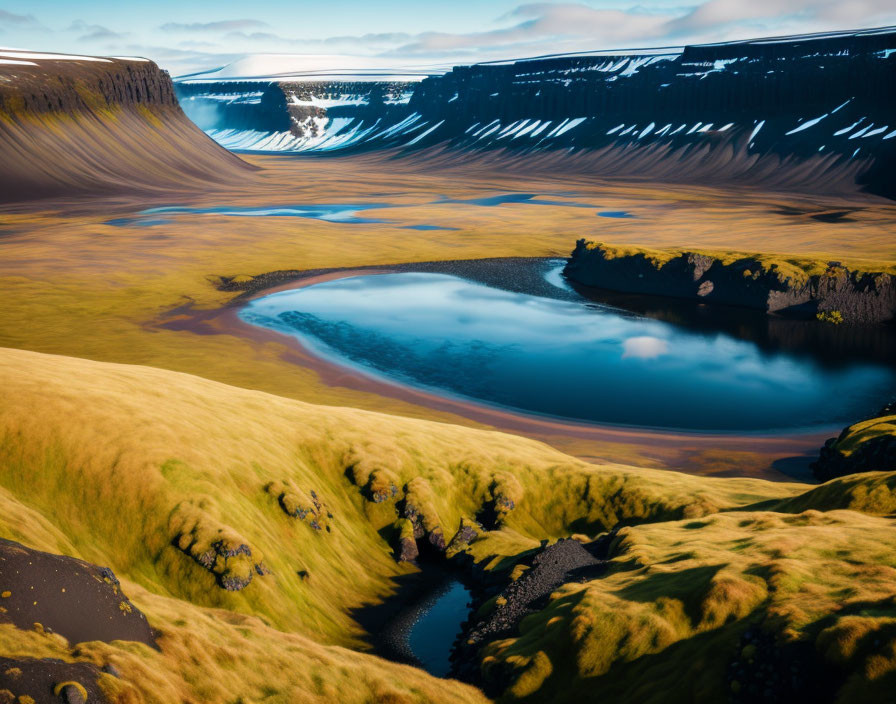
188,36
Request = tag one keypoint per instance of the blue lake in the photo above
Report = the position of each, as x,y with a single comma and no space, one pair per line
567,357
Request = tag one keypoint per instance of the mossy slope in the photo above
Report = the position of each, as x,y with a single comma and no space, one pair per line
199,496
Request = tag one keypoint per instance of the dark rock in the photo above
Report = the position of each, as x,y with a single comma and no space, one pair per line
80,601
855,297
565,561
49,681
437,539
705,288
407,550
72,695
466,534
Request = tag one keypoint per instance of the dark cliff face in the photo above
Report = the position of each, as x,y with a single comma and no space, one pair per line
803,113
826,291
72,86
70,126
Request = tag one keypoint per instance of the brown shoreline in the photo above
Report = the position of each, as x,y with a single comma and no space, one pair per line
751,455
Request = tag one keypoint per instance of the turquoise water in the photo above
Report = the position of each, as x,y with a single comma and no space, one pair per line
567,357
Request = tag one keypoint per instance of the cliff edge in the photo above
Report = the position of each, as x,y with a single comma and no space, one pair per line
828,291
71,125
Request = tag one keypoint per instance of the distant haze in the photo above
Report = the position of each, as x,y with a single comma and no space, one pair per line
199,36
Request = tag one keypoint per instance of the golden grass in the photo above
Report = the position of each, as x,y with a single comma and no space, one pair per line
116,464
869,492
864,431
666,621
155,454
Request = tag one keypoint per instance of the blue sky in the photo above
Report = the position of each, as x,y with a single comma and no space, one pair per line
191,36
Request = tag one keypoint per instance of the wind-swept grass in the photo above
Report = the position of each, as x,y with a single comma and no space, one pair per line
116,464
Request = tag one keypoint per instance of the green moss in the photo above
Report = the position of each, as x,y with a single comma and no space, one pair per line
835,317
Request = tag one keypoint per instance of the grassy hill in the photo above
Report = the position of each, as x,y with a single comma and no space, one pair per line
144,470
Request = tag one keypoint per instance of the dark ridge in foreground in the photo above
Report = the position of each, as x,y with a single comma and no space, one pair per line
75,125
827,291
59,594
810,113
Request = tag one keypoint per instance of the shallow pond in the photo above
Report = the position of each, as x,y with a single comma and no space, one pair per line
346,213
419,624
568,357
437,626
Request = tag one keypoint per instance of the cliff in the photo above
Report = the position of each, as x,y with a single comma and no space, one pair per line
73,125
807,113
292,115
828,291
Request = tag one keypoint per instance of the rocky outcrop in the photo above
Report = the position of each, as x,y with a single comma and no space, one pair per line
215,547
867,446
565,561
111,125
302,109
826,291
466,533
55,593
418,507
406,550
298,504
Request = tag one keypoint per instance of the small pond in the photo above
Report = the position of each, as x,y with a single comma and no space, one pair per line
419,624
438,624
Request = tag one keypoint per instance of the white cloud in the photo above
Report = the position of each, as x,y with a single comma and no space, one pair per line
810,14
644,347
94,32
219,26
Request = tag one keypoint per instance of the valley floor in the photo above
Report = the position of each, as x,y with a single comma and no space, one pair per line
89,279
250,505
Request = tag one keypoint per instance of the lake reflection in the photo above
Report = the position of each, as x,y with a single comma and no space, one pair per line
571,359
